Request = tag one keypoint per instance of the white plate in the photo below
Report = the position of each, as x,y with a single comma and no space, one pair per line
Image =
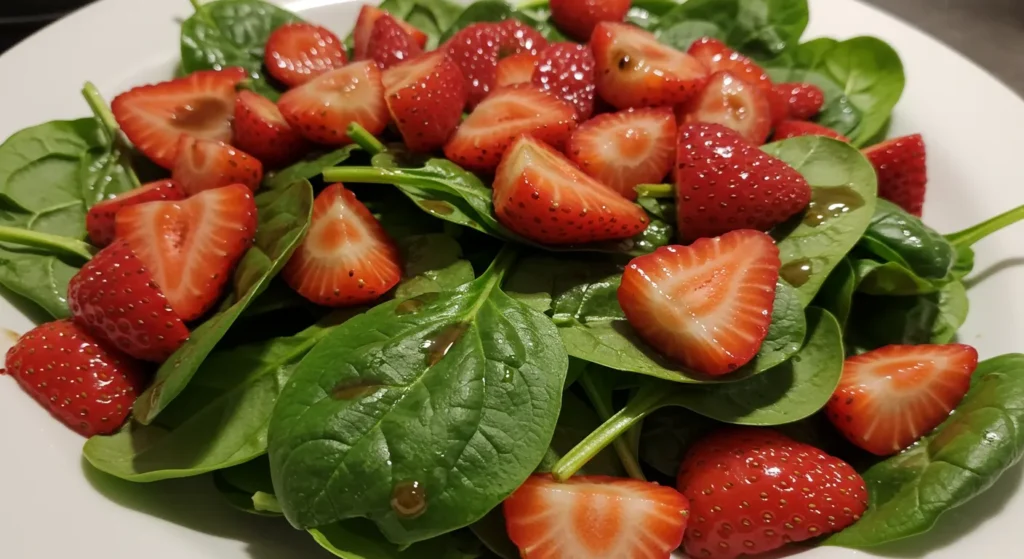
53,506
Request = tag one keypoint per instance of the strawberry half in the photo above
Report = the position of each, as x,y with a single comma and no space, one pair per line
734,103
154,117
634,69
803,100
262,131
475,51
626,148
754,490
595,517
323,108
541,195
578,18
346,258
99,222
717,57
298,52
707,305
205,164
795,128
566,70
86,384
425,97
516,69
890,397
724,182
902,171
115,297
390,44
482,139
192,246
368,16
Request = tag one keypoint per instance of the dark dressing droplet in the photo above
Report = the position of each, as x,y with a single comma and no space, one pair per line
408,499
438,346
416,303
797,272
438,207
830,203
353,389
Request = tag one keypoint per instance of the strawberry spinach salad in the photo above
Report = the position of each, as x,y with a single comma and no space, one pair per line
490,280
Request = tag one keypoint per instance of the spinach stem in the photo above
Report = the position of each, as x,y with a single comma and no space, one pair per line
528,4
371,175
971,235
197,5
620,444
359,135
655,190
111,129
502,263
53,243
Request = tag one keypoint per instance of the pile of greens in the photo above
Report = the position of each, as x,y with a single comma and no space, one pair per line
397,430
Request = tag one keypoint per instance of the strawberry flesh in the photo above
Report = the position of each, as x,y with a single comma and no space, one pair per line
298,52
566,70
578,18
902,171
368,16
516,69
322,109
261,131
734,103
390,44
99,222
717,57
425,97
205,164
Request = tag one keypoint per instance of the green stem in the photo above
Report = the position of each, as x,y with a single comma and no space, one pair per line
655,191
527,4
370,175
111,129
971,235
359,135
52,243
621,444
502,263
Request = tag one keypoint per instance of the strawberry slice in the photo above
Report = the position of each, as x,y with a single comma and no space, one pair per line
718,190
803,100
890,397
707,305
204,165
733,103
425,97
99,222
578,18
634,69
482,138
597,517
390,44
626,148
566,70
475,51
902,171
541,195
155,116
323,108
298,52
516,69
192,246
115,297
262,131
346,258
717,57
368,16
795,128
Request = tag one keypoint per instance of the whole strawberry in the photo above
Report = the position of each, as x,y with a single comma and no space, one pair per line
85,383
753,490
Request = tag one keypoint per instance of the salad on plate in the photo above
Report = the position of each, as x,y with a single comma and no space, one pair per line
564,280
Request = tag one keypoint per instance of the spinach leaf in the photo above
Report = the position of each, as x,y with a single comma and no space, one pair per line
682,34
307,169
960,459
283,217
432,263
432,17
360,539
647,13
836,294
964,264
843,193
837,112
931,318
758,28
232,33
667,435
247,487
437,408
890,278
897,236
534,14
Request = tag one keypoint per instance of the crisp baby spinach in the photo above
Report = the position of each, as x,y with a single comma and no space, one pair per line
758,28
836,294
890,278
283,217
248,487
682,34
358,538
431,263
897,236
307,169
227,33
667,434
534,14
843,195
432,17
930,318
963,457
437,408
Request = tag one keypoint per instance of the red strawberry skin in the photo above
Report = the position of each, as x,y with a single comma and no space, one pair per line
205,165
719,58
732,102
298,52
475,51
902,171
115,298
99,222
86,384
803,100
323,108
795,128
390,44
368,16
261,131
566,70
753,490
579,17
425,97
716,192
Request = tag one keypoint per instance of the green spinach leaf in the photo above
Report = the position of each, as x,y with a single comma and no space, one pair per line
897,236
931,318
432,263
890,278
667,434
307,169
360,539
836,294
758,28
432,17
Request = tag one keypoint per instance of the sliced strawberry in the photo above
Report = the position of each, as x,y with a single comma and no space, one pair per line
795,128
634,69
803,100
475,51
262,131
541,195
778,106
204,164
482,138
516,69
707,305
595,517
115,297
717,57
99,222
724,182
298,52
566,70
733,103
390,44
368,16
425,97
515,37
579,17
626,148
346,258
902,171
192,246
154,117
323,108
890,397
